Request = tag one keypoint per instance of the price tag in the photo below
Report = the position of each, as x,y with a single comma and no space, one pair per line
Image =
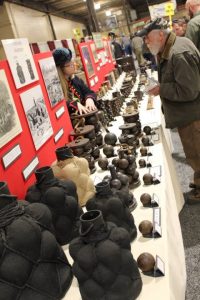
30,168
157,215
156,171
154,200
159,269
157,230
155,137
11,156
97,180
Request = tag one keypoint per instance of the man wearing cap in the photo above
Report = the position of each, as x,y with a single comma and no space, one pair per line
79,97
179,90
193,27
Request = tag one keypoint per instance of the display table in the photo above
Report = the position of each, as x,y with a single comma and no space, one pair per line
170,246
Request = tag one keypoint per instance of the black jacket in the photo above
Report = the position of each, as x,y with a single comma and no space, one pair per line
80,92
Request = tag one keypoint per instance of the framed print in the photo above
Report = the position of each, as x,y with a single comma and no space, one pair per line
94,52
21,61
105,44
87,61
37,116
71,47
51,80
97,37
58,44
9,121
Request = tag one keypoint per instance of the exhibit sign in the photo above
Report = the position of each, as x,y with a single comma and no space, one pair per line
71,47
51,80
37,115
9,121
97,37
162,9
94,52
21,61
87,61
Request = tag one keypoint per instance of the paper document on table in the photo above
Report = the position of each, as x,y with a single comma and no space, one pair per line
152,83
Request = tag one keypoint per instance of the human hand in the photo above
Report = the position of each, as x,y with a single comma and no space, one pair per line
89,104
82,109
155,91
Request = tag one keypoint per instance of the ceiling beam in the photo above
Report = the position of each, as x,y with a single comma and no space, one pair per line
49,9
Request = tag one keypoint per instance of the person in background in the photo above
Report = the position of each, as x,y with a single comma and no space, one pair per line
80,99
137,44
179,26
193,26
179,89
126,44
118,51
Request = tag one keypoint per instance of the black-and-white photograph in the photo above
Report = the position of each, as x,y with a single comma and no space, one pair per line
21,61
9,121
52,81
37,115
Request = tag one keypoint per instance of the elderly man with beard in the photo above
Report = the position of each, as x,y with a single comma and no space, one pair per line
179,89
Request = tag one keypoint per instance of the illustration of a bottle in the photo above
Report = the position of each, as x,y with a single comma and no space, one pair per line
20,73
30,69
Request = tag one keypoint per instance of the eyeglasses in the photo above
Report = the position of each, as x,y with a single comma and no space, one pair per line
69,65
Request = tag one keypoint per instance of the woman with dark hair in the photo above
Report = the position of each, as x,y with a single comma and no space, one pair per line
79,97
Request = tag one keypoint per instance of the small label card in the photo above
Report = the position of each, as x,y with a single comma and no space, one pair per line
156,172
155,200
98,68
60,112
159,269
155,136
157,230
58,135
30,168
92,82
157,215
149,165
97,180
11,156
96,79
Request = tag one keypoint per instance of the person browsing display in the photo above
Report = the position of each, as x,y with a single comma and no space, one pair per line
179,89
80,99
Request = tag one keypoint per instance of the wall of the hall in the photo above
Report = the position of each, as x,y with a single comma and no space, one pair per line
64,28
18,21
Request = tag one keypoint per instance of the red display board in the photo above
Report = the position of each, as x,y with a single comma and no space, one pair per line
95,68
13,174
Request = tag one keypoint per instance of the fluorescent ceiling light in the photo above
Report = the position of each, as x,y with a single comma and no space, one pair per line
97,6
108,13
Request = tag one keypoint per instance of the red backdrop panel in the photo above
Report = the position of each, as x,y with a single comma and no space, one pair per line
46,154
100,70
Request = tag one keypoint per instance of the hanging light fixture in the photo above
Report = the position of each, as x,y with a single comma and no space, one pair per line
108,13
97,6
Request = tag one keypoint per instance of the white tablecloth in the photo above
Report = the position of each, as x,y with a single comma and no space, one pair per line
170,246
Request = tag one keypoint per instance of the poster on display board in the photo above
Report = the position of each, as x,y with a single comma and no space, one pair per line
111,50
58,44
37,115
21,61
71,47
159,10
94,52
43,46
97,37
105,44
87,61
51,80
9,121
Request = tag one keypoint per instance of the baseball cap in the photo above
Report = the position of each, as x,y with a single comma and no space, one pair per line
159,23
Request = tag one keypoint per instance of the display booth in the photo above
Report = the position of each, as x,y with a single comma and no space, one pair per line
97,63
33,124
